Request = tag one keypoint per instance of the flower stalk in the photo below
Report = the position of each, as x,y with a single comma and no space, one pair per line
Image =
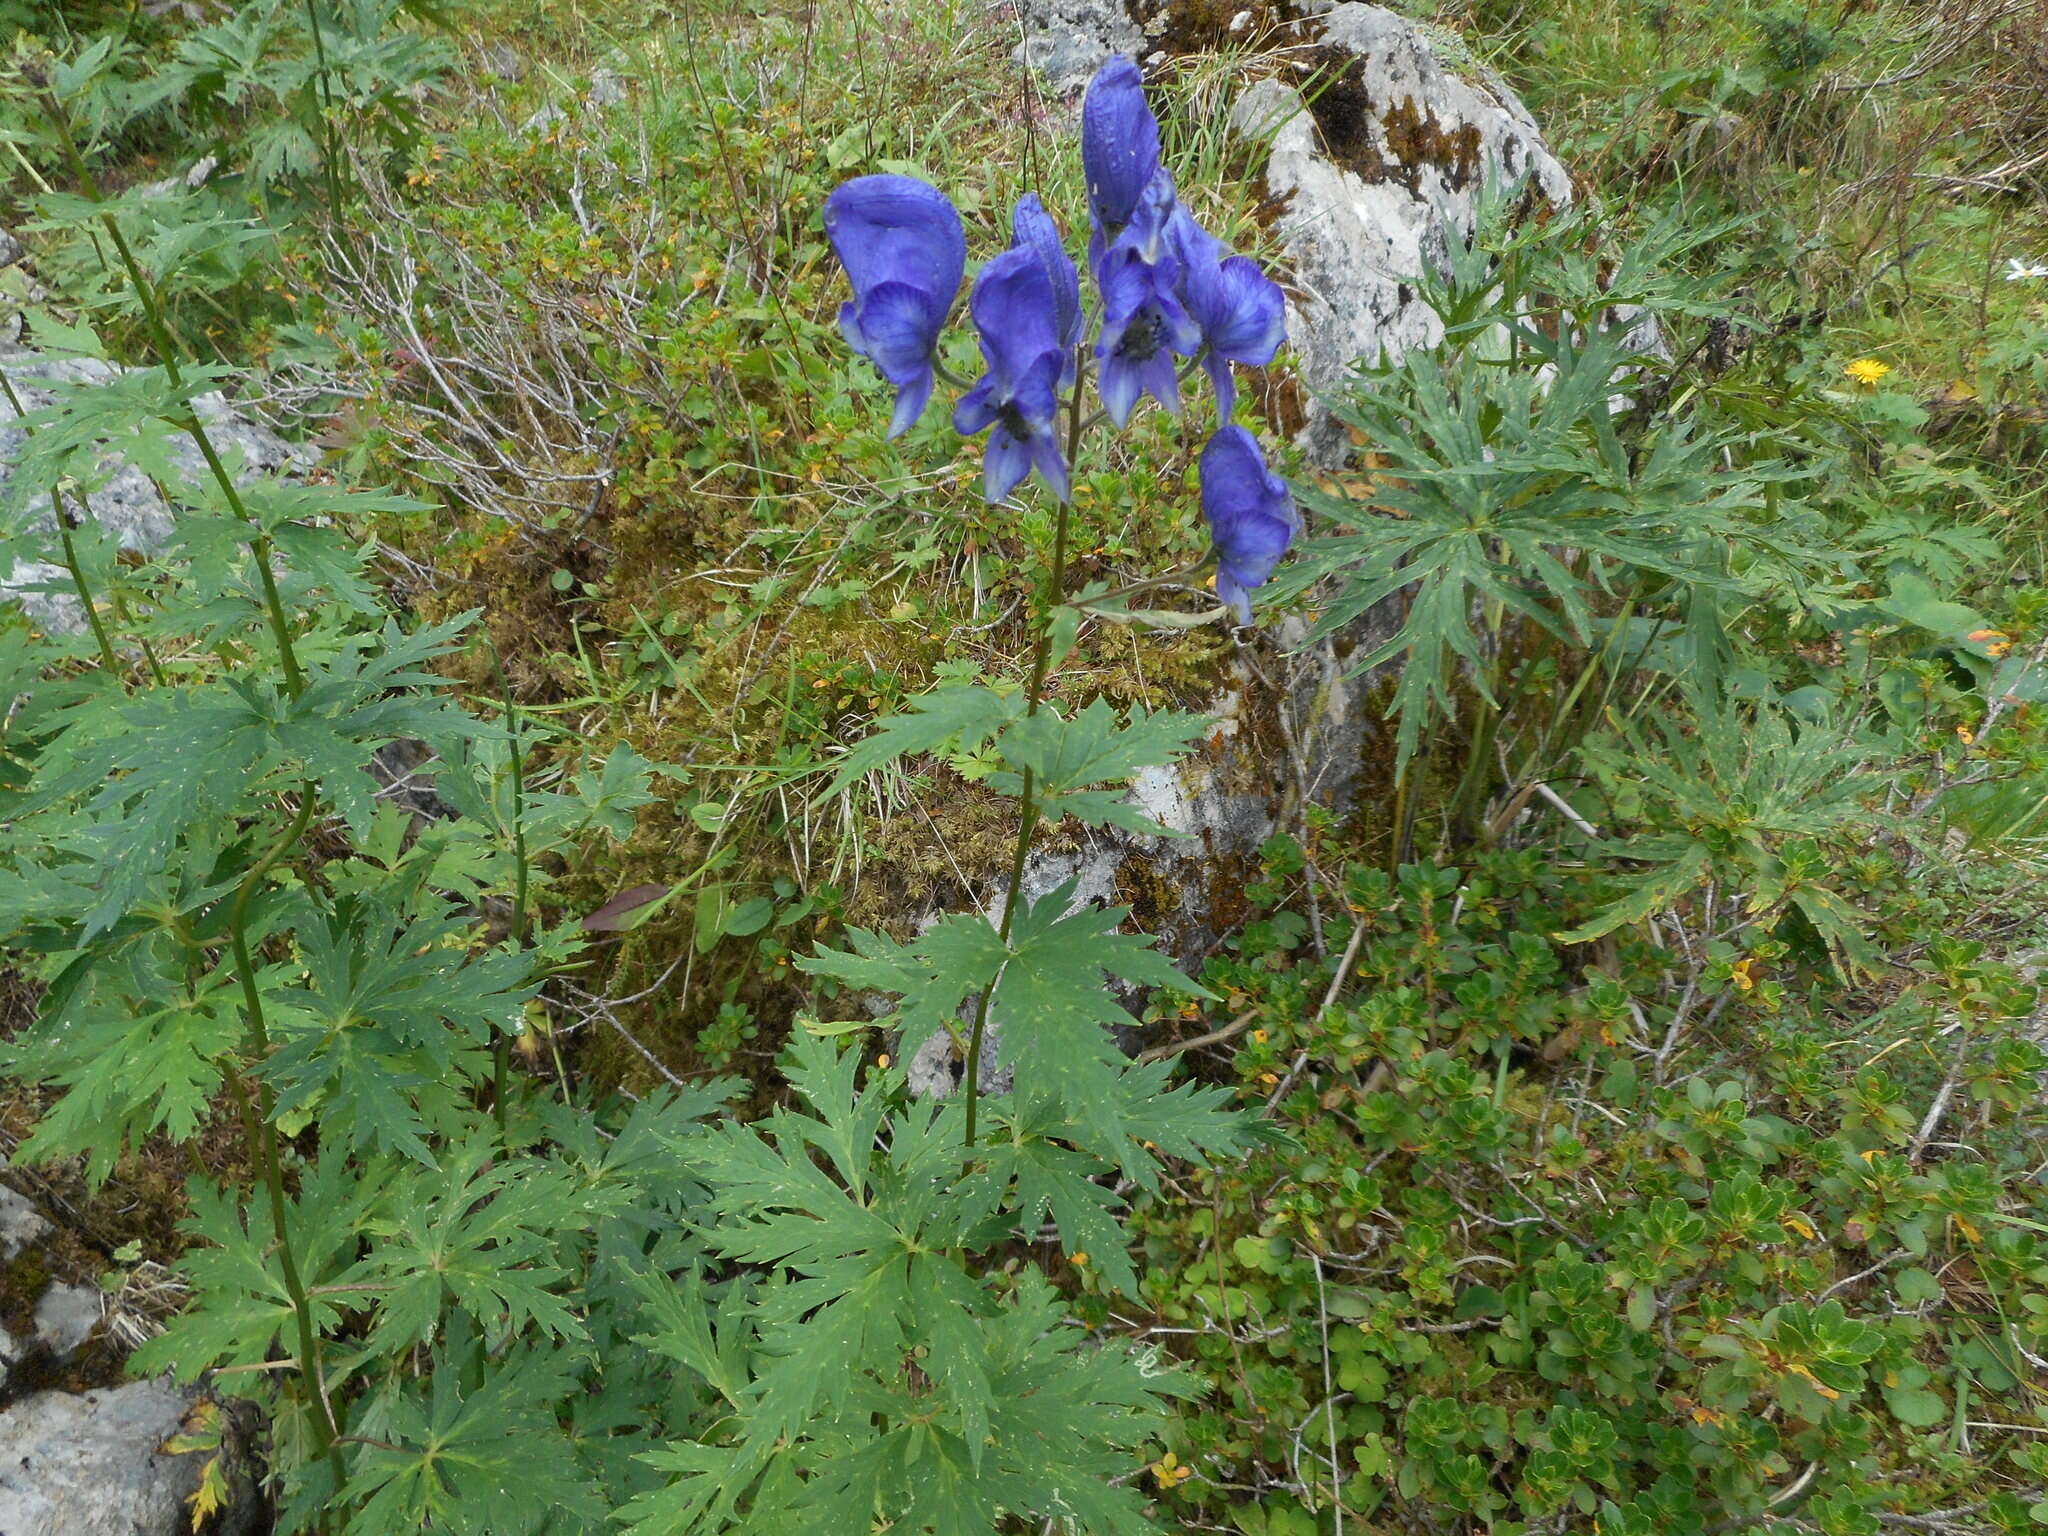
1041,664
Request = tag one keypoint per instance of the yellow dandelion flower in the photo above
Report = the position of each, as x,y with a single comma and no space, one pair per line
1080,1259
1966,736
1261,1036
1867,371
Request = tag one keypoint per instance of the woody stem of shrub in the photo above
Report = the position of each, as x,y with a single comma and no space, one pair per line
1041,662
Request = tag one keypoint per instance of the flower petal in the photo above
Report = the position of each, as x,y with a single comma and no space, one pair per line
1241,311
1217,366
1035,231
1118,384
1119,142
1015,311
897,229
1050,463
898,327
977,410
1004,466
1250,513
912,396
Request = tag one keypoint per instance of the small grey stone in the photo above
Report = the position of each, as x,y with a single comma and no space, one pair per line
545,121
22,1226
11,248
65,1318
607,89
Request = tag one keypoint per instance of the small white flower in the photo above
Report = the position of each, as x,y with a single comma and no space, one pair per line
2017,271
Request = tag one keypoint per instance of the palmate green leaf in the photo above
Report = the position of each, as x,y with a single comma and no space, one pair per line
481,1236
241,1311
1055,1006
1064,757
1653,890
1055,1159
1064,1420
1057,1181
390,1022
968,715
129,411
483,1460
934,974
126,1075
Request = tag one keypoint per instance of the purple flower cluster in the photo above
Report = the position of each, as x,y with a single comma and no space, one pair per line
1169,291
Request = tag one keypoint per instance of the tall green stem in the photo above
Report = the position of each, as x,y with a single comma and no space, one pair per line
71,563
160,337
329,128
1041,663
502,1065
324,1428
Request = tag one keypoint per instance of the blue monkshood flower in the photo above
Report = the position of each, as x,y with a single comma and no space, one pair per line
1035,232
1145,327
1017,312
1119,143
901,243
1251,516
1240,310
1145,323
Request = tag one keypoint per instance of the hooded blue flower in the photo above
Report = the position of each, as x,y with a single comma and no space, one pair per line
1035,232
1145,322
1251,516
1016,309
1144,330
1240,310
1119,143
901,243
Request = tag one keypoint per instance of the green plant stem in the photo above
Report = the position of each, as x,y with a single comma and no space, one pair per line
260,545
71,564
92,613
502,1053
1041,663
328,121
324,1428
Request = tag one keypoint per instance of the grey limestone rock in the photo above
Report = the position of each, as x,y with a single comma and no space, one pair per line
1065,40
125,501
65,1318
92,1464
1374,177
22,1226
